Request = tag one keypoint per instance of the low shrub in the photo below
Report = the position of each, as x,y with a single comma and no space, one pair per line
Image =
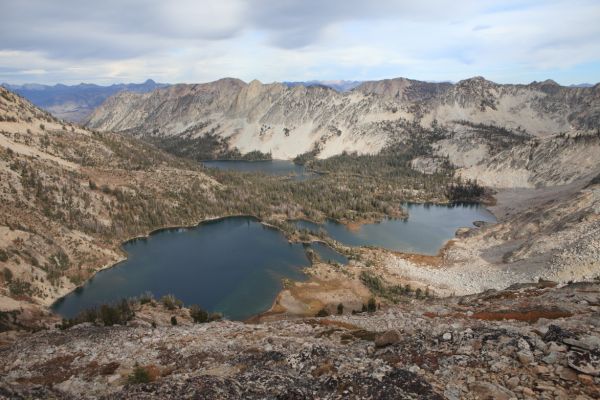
372,305
108,314
146,298
18,287
215,316
7,274
323,313
139,375
170,302
198,314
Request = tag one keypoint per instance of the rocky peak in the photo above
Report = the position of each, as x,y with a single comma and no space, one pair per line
255,83
548,86
476,92
386,87
404,89
550,82
225,84
475,83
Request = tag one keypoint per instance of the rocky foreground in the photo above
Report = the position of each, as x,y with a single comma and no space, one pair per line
527,342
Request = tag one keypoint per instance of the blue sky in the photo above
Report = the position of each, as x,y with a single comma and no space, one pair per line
73,41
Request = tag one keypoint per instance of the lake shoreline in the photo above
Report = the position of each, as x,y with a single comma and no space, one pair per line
124,257
334,245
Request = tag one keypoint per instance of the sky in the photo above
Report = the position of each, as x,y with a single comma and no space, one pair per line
112,41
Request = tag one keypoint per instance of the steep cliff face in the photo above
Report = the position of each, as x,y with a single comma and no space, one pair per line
291,120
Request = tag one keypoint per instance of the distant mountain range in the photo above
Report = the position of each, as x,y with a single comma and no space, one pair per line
582,85
337,85
345,86
76,102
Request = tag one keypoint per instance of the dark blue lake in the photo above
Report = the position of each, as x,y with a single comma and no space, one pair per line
270,167
236,265
425,231
233,265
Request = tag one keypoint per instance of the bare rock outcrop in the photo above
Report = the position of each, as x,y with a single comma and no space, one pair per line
533,341
290,120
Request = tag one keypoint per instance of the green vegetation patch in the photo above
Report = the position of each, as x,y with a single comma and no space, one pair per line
392,293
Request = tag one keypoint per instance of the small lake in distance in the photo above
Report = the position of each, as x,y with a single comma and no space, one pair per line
270,167
425,231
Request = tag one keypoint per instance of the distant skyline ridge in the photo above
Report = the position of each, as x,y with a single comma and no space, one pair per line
76,102
41,86
336,84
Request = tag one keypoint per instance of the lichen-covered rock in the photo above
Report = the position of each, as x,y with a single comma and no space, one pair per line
587,362
387,338
327,358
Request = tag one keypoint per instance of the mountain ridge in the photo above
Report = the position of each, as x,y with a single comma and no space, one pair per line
340,85
288,121
74,103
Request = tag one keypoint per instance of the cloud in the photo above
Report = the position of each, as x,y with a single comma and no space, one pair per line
193,40
113,28
293,24
118,28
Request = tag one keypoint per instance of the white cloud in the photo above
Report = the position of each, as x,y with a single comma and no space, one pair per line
192,41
